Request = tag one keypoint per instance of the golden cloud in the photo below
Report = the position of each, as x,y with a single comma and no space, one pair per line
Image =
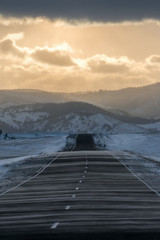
104,64
153,59
53,57
60,55
8,46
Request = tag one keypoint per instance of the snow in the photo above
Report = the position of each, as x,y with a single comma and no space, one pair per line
15,117
26,119
152,126
127,128
143,144
6,164
26,146
7,118
96,123
101,119
140,153
25,116
82,123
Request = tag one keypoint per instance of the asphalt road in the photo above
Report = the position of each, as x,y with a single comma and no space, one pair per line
84,142
81,195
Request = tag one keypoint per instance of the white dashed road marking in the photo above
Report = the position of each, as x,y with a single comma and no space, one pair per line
34,176
67,207
55,225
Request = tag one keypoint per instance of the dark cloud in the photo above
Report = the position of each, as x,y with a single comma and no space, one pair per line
100,10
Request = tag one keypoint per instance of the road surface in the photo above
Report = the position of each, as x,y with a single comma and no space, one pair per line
84,142
81,195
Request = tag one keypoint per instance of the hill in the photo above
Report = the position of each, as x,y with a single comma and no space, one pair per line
142,102
71,117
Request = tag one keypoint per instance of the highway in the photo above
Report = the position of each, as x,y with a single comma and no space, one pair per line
83,194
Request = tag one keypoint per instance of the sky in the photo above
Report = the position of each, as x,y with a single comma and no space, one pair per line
72,45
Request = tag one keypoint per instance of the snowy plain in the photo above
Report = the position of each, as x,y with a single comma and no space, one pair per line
24,145
144,144
21,155
140,153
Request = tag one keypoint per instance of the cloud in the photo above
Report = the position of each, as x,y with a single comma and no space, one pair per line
104,64
53,57
15,36
153,65
104,10
8,46
60,55
154,59
7,20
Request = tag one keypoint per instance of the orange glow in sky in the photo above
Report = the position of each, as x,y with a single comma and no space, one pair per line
58,55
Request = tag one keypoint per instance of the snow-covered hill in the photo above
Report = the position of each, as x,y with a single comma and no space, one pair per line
69,117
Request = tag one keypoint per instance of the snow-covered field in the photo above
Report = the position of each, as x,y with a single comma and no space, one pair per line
25,145
139,152
23,154
144,144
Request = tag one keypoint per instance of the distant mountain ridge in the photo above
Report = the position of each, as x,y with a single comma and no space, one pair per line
71,117
21,97
142,102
